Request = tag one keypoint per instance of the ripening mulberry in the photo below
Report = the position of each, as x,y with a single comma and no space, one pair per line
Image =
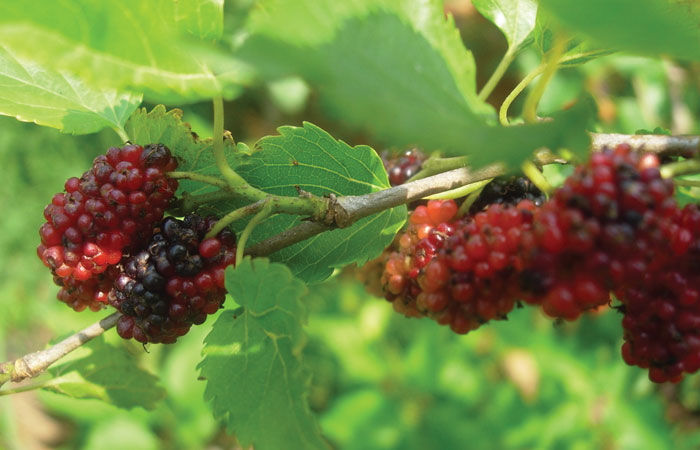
175,282
602,230
661,311
109,210
458,272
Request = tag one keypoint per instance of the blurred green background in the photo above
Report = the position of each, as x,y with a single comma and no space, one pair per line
380,381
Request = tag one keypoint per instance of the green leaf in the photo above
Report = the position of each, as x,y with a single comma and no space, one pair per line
201,18
106,372
252,361
120,433
512,144
120,44
32,93
397,69
578,50
193,154
306,157
515,18
393,70
651,27
310,159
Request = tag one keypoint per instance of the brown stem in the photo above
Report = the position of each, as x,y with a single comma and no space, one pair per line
686,146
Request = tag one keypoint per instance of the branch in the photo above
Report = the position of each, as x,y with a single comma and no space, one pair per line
35,363
352,208
686,146
349,209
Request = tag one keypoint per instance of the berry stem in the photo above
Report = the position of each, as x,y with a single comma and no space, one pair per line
189,203
535,175
122,134
233,216
308,205
31,365
263,214
460,192
231,177
206,179
469,201
503,111
550,67
498,73
674,169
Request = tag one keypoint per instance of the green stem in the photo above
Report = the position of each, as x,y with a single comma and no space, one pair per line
188,203
498,73
687,167
308,205
687,183
18,390
242,191
122,134
469,201
533,173
231,177
503,111
201,178
433,166
533,98
259,217
460,191
233,216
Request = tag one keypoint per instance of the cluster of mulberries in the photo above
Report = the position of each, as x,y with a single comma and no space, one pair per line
588,237
614,226
106,243
110,209
175,282
661,307
460,272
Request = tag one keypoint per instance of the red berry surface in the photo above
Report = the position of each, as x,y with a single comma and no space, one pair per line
458,272
111,209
